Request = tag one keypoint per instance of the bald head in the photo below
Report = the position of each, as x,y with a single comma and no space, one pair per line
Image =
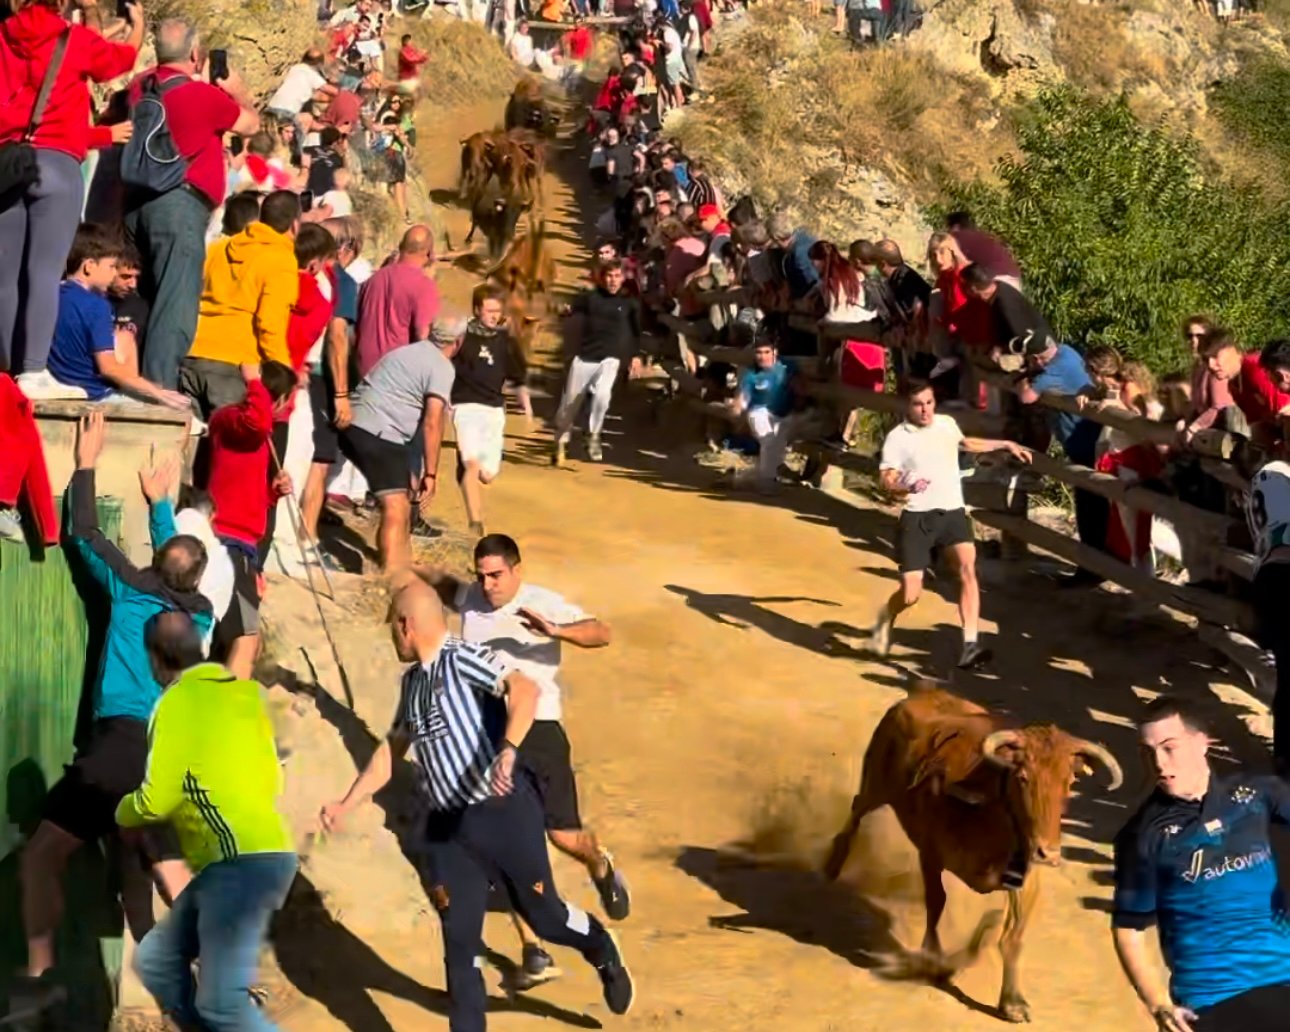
313,57
177,43
417,242
417,624
181,561
174,645
889,253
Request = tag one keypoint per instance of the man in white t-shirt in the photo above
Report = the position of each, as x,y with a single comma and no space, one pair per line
920,465
299,85
521,46
525,626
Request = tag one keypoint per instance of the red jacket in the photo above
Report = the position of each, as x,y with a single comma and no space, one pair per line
22,460
239,480
309,318
27,42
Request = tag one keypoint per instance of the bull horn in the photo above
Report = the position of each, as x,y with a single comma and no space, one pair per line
995,741
1094,751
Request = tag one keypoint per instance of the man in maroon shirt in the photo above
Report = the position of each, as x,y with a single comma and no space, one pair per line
984,249
399,303
1258,382
169,229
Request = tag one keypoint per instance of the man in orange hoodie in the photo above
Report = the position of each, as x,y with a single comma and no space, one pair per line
250,284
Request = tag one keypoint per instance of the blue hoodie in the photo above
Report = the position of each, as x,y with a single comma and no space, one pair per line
125,686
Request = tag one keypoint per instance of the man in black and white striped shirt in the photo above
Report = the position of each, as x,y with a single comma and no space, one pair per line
465,718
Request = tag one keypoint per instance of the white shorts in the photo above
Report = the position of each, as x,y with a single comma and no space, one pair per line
480,431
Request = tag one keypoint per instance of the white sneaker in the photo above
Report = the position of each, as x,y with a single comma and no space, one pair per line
43,386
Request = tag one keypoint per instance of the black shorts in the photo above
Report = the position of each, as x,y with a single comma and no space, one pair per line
243,616
545,754
111,765
326,439
1255,1010
920,532
383,463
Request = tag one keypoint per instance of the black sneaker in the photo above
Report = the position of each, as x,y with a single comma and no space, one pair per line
30,997
421,529
614,896
973,655
617,982
536,967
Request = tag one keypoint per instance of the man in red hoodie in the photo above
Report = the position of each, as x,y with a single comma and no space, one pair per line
39,220
243,493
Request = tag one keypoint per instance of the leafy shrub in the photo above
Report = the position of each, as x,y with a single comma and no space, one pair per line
1254,106
1121,234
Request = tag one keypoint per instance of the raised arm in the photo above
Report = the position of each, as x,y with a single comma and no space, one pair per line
978,445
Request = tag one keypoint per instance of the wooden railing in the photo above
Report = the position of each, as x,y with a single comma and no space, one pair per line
1223,620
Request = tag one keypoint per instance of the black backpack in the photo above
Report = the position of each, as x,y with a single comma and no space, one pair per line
150,160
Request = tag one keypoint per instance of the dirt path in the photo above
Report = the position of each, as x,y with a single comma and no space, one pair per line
726,710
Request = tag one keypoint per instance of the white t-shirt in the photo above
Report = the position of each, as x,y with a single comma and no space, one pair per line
928,453
297,88
522,49
516,646
360,270
1268,508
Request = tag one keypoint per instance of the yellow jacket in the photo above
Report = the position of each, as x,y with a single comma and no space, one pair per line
248,287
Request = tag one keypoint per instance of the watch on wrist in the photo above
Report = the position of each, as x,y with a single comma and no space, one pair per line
508,744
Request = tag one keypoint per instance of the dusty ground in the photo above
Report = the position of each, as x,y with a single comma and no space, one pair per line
727,710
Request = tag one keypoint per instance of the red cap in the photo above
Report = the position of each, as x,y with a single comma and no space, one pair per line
709,211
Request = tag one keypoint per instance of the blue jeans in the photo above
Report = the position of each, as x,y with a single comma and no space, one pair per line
170,233
37,227
221,920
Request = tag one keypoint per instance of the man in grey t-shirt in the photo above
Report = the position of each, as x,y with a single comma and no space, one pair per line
404,394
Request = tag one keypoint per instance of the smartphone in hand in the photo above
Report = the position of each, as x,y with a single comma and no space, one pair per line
219,65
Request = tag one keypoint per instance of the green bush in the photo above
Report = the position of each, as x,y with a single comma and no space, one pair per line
1254,106
1121,233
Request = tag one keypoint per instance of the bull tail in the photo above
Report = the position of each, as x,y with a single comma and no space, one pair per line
841,847
922,966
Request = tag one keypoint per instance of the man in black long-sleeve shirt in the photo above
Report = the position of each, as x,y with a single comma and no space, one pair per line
487,359
610,335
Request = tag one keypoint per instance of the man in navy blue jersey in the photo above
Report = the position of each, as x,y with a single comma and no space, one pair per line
1196,861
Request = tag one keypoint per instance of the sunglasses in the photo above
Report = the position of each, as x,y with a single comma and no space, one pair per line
1193,336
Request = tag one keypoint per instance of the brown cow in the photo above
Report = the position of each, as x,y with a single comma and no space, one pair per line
477,159
526,270
977,798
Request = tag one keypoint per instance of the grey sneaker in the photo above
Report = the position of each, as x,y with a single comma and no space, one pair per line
594,452
558,456
614,896
973,655
880,636
30,997
10,525
536,968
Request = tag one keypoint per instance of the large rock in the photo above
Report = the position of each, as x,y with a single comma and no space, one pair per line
1016,43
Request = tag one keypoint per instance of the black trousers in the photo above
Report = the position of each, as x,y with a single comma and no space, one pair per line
503,841
1259,1010
1272,618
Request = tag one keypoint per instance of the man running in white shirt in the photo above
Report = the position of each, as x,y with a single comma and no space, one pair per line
920,465
525,626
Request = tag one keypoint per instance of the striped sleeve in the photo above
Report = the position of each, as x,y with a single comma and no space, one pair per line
480,668
402,715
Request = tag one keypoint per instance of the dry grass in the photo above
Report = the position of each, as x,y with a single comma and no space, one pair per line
796,115
467,65
1094,49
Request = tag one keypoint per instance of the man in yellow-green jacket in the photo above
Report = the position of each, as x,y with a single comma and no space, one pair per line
214,774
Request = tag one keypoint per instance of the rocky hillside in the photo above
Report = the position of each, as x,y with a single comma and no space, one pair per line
857,143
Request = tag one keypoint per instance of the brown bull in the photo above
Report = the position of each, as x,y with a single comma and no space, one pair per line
526,270
478,154
976,798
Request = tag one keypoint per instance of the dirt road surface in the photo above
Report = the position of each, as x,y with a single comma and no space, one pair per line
731,708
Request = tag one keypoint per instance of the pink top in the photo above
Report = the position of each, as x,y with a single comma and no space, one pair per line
1208,396
395,307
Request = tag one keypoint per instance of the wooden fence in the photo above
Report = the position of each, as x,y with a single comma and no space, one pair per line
1222,620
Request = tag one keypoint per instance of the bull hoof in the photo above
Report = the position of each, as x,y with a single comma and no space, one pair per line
1016,1010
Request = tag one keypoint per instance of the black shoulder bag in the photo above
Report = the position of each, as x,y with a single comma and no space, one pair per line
18,168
